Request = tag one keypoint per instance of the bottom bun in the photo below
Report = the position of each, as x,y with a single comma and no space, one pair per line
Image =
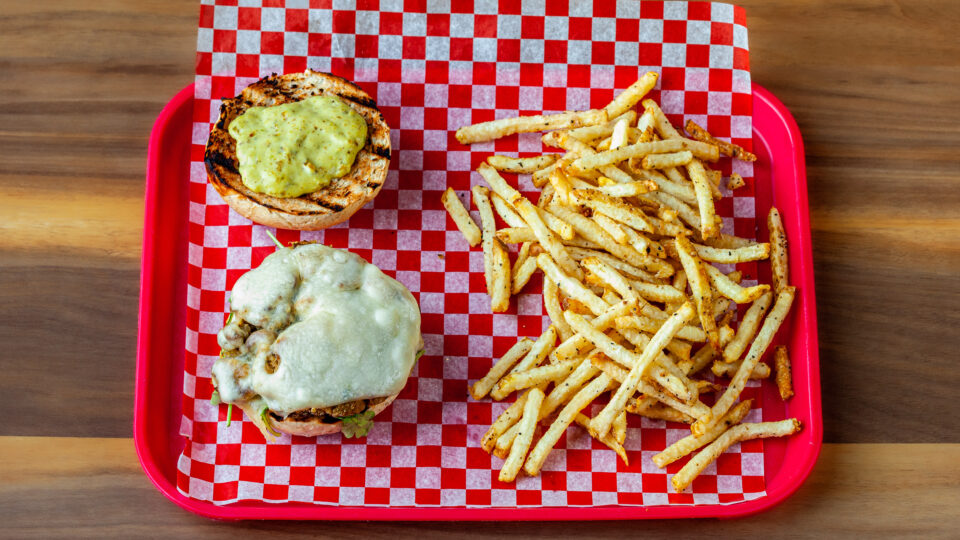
311,428
282,219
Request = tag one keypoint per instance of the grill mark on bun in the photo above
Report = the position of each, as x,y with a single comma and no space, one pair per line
361,100
329,205
215,157
379,150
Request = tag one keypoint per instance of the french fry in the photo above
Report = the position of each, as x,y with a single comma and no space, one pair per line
609,276
570,286
561,185
521,165
642,150
555,224
727,149
679,349
503,422
498,184
528,424
577,148
551,299
619,136
482,387
644,245
702,187
500,296
619,428
748,328
612,227
670,228
658,292
682,189
753,252
690,443
781,364
778,256
728,288
647,324
663,161
502,447
738,433
735,182
619,374
538,351
665,372
546,195
567,415
522,274
522,255
679,283
495,129
628,189
686,213
481,198
546,237
516,235
700,286
659,120
659,411
769,329
627,99
727,241
563,391
578,345
588,229
602,422
468,228
625,268
506,211
713,182
590,133
614,208
723,369
610,440
537,375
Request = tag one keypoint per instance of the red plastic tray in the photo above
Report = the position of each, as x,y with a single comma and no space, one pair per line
780,176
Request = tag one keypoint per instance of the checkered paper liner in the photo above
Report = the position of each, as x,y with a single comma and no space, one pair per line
433,67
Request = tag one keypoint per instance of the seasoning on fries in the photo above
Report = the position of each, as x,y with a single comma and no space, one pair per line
626,234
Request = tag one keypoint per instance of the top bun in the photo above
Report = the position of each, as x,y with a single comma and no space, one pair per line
325,207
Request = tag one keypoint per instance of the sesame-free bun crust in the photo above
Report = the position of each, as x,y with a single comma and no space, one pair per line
316,427
325,207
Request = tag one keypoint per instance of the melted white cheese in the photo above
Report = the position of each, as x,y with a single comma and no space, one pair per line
346,331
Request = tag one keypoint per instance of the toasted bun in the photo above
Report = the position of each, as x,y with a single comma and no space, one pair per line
316,427
326,207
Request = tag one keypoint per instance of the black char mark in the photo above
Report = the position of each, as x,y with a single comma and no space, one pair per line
362,101
380,151
214,157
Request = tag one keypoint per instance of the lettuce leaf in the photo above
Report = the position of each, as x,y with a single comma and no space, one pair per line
357,425
264,410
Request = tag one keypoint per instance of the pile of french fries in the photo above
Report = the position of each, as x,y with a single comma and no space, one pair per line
625,232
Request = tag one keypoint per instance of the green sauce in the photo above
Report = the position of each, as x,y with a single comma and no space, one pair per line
296,148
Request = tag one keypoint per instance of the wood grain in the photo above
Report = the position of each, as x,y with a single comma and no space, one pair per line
880,117
98,490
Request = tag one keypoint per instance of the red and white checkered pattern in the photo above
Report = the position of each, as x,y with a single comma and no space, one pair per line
434,67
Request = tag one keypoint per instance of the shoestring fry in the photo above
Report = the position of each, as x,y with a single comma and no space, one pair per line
626,234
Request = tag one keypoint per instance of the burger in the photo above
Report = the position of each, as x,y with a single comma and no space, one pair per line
298,151
317,341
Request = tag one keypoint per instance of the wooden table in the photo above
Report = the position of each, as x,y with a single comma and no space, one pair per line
873,85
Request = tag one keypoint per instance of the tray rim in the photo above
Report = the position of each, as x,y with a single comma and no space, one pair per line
775,493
